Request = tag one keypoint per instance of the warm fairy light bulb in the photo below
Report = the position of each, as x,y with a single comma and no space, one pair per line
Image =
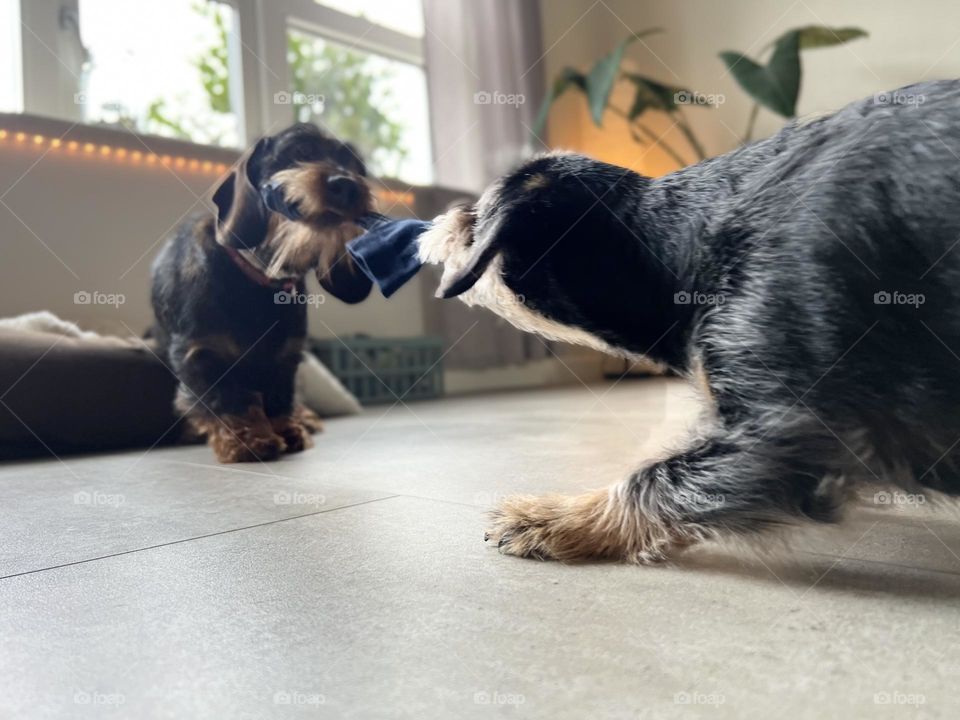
120,153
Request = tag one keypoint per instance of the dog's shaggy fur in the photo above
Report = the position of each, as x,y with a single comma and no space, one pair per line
224,289
811,280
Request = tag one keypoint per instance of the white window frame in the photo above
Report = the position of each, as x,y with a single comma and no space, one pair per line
261,48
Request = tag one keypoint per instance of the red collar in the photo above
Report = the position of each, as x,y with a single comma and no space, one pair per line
257,275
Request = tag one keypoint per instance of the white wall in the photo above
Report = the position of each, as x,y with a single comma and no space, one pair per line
89,223
909,41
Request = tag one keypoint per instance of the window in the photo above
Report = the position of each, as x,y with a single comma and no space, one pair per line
377,103
160,68
222,72
405,16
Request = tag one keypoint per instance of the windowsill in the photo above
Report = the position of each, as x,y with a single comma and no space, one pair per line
114,137
418,199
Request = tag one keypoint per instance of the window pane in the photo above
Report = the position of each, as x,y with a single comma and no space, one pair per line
405,16
161,68
11,97
377,103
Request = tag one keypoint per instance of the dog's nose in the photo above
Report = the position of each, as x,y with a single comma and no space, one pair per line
343,192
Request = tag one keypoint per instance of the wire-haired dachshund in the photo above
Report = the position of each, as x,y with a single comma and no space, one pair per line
227,289
810,283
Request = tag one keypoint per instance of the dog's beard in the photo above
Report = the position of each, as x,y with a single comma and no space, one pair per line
294,248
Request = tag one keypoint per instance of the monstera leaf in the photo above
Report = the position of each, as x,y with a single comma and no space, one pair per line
604,74
567,78
776,85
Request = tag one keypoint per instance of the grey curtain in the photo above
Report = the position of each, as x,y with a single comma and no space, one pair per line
479,54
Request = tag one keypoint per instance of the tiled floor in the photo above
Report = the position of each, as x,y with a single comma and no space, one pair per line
352,581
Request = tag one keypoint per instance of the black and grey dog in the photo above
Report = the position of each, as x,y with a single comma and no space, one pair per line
809,282
228,290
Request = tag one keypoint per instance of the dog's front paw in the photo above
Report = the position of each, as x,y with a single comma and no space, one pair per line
595,525
237,445
294,433
308,418
242,438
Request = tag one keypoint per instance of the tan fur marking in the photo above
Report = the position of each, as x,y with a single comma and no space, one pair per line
698,375
293,248
306,183
240,438
535,182
308,418
596,525
295,435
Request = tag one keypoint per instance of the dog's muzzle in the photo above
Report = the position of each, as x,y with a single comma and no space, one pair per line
273,197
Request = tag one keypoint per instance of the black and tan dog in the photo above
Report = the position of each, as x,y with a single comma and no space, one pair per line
227,290
811,282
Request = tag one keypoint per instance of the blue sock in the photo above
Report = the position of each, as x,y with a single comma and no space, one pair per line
388,252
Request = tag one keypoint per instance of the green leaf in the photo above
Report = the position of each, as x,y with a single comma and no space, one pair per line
775,85
816,36
604,74
654,95
567,78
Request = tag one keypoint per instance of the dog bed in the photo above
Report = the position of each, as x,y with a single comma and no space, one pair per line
63,390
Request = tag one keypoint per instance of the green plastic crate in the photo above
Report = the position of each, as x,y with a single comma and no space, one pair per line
379,370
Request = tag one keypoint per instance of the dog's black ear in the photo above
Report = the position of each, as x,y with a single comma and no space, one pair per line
241,215
345,282
486,245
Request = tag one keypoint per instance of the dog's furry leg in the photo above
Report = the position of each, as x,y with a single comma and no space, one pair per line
730,482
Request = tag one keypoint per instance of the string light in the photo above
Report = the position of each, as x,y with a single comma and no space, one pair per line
120,155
